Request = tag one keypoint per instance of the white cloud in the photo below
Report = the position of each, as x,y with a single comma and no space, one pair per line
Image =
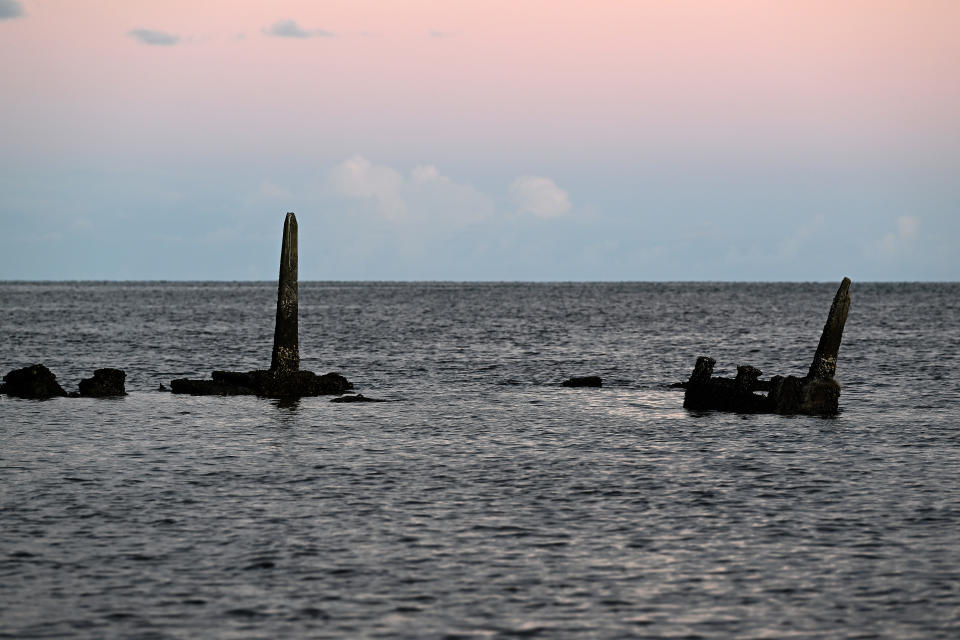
425,195
902,238
539,196
907,226
427,173
290,29
359,178
151,37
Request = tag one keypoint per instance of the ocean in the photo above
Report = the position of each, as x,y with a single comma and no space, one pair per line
483,499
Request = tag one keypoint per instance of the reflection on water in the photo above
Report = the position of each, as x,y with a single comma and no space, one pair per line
291,404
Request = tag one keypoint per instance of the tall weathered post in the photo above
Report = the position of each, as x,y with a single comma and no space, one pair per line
824,364
286,348
284,379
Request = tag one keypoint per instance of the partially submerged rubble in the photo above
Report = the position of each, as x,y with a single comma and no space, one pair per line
817,393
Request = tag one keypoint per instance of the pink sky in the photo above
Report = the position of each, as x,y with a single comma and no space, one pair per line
602,75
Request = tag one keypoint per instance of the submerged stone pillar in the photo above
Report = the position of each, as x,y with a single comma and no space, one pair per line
702,370
825,359
286,348
746,380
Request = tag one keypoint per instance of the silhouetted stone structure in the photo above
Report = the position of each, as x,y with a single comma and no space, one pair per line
33,382
286,348
284,379
816,393
104,383
583,381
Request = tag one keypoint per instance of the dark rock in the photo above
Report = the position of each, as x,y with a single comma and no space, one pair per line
357,398
104,383
300,383
746,380
811,396
208,388
248,380
36,382
702,370
584,381
723,394
267,384
816,394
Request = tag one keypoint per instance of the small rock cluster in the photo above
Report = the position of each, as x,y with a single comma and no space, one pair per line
39,383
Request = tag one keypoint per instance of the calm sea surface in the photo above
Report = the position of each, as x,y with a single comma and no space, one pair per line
484,500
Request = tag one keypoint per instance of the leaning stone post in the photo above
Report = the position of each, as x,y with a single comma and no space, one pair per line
286,348
825,359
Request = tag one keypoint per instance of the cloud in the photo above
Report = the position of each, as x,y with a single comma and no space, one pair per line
539,196
290,29
424,195
359,178
10,9
427,173
151,37
907,226
902,238
434,33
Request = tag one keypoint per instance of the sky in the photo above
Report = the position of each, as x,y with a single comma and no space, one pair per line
792,140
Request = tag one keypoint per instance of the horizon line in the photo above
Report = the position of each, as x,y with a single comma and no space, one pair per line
437,281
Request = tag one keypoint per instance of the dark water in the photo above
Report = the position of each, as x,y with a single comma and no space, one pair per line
485,500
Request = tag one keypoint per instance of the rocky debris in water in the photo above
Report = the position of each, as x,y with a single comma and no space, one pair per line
104,383
357,398
583,381
284,379
264,383
723,394
34,382
815,394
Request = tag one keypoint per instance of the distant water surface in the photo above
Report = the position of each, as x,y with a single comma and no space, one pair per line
484,500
